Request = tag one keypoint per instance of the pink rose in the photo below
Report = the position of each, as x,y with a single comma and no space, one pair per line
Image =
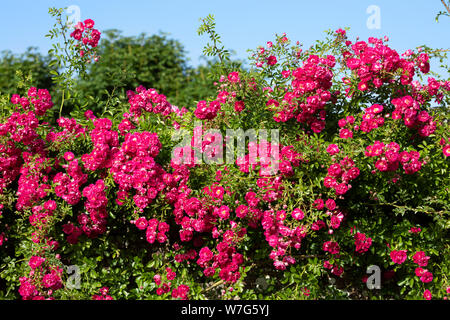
298,214
272,60
427,295
35,262
398,256
421,259
331,204
333,149
141,223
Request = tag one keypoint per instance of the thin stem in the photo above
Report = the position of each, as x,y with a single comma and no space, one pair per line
446,6
63,32
214,285
215,46
62,103
405,207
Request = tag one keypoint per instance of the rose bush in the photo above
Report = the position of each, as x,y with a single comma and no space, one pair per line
357,175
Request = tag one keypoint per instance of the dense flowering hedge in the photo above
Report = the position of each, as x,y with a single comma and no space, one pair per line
357,177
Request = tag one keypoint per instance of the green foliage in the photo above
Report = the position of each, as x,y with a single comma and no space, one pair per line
224,64
30,64
382,205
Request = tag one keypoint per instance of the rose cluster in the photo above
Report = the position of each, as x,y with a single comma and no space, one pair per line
87,37
340,174
390,157
307,98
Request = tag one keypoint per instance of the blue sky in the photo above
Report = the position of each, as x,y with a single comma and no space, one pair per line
243,24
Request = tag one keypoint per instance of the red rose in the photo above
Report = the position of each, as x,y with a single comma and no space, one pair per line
272,60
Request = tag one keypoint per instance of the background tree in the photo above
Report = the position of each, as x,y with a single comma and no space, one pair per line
152,61
30,63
